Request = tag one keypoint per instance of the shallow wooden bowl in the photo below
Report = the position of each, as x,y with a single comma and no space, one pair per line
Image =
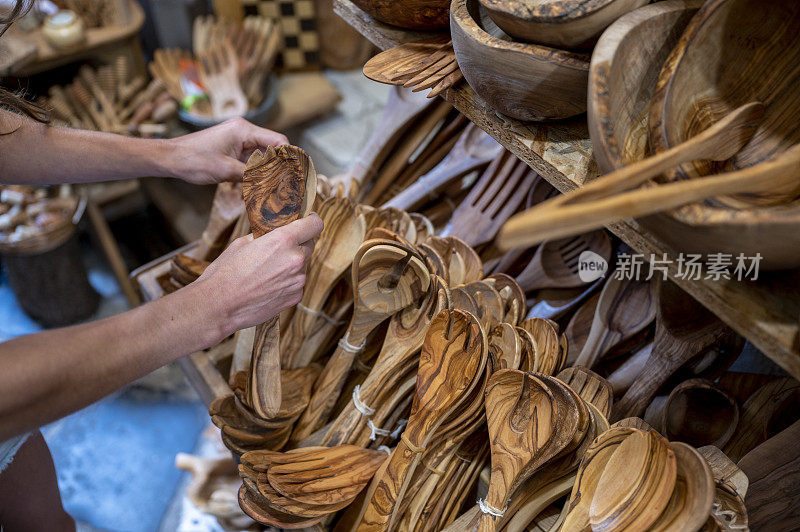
411,14
523,81
566,23
731,53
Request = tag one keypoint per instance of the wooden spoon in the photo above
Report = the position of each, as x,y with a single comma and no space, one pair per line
699,413
451,365
226,208
555,264
574,212
636,484
684,329
625,308
386,279
474,149
590,386
333,255
279,187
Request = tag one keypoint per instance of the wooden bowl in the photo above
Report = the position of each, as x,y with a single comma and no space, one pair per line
567,23
410,14
733,52
528,82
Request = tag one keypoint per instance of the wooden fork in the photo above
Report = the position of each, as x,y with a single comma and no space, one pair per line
498,193
218,71
439,70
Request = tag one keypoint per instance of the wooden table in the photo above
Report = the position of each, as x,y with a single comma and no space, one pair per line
765,312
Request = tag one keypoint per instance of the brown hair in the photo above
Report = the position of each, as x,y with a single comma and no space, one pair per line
8,99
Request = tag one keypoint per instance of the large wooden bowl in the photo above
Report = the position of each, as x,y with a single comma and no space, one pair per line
523,81
411,14
734,52
567,23
625,68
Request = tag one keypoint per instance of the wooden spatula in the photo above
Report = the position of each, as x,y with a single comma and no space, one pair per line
451,365
279,187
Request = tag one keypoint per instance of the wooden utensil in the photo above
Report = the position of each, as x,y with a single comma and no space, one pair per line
549,350
636,484
699,413
761,61
333,255
226,208
625,308
415,15
579,326
625,375
400,112
218,72
474,149
279,187
590,386
563,24
728,510
429,63
386,279
554,303
683,329
772,469
512,294
452,362
541,83
492,200
556,264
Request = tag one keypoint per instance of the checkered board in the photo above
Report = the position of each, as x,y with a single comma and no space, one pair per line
297,19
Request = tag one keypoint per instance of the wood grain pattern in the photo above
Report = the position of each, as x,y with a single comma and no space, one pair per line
279,187
452,361
540,83
568,23
590,386
699,413
411,14
693,495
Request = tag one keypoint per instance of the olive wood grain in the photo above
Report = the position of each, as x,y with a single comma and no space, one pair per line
411,14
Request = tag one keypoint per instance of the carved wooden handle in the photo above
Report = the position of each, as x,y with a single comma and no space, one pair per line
265,369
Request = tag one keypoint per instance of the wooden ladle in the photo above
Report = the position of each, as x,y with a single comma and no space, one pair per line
684,329
279,187
386,279
625,307
590,206
452,363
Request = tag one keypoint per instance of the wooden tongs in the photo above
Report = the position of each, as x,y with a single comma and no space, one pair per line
610,199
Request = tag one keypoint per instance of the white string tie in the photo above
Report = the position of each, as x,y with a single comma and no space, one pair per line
385,449
361,407
491,510
729,516
399,430
375,431
345,344
318,314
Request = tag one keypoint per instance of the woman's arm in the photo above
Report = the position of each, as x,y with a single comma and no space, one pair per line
36,154
50,374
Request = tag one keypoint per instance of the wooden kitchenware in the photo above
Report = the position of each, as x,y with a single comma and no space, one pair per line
425,64
226,208
625,308
590,386
492,200
540,83
556,264
411,14
568,23
684,329
626,374
699,413
451,365
218,71
756,63
772,469
555,303
474,149
386,279
579,326
728,511
279,187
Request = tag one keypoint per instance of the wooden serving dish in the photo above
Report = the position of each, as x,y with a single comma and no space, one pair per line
411,14
567,23
528,82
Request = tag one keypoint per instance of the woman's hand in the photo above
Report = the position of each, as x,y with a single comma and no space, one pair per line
255,280
219,153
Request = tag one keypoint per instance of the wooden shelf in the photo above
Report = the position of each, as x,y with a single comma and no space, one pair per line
766,312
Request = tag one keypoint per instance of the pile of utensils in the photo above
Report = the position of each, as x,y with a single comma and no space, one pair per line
225,73
107,99
29,214
98,13
301,487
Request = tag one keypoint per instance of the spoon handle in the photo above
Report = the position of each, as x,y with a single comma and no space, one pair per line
644,388
599,341
265,364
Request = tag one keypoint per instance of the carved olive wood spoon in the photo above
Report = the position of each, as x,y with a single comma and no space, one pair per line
548,347
556,263
386,279
512,294
505,347
333,255
684,329
451,365
625,308
279,187
226,208
636,484
404,338
590,386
